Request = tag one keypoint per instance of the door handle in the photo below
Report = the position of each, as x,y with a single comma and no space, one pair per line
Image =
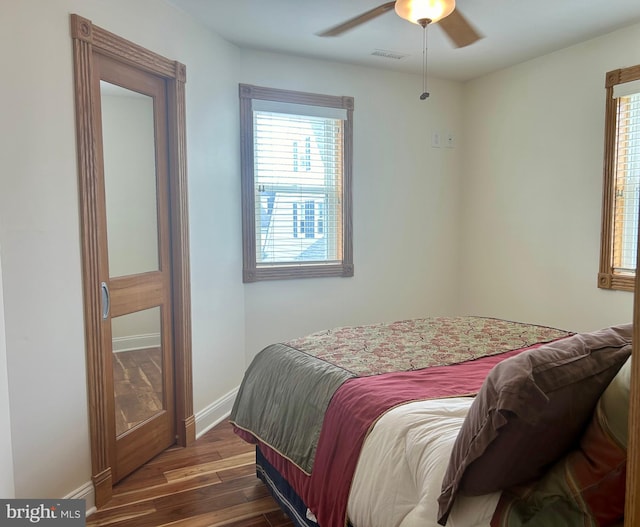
106,300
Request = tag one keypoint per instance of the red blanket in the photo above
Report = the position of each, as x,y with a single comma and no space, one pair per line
353,410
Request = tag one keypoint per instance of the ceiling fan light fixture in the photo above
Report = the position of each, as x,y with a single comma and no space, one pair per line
415,10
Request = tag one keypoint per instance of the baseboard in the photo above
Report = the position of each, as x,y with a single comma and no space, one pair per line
216,412
86,493
136,342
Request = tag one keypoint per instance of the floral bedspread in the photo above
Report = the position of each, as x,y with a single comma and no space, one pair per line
420,343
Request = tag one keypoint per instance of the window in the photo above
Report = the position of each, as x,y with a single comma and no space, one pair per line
296,184
618,250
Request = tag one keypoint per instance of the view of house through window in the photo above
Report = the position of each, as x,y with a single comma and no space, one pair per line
296,171
618,253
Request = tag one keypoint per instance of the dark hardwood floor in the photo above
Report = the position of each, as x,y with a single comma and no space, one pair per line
209,484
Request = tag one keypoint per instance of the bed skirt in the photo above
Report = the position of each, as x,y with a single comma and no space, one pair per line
282,492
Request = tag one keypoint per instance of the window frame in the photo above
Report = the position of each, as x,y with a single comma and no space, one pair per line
252,272
608,277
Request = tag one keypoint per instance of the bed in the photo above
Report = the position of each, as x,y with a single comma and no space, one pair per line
440,421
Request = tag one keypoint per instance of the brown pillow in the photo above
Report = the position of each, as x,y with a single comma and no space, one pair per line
531,409
587,486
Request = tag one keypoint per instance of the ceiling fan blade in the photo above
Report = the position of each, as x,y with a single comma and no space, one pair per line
459,30
357,20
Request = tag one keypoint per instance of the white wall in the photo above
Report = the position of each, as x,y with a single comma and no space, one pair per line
405,210
532,188
7,489
40,232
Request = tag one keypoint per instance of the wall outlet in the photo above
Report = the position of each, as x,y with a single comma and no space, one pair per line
449,140
436,140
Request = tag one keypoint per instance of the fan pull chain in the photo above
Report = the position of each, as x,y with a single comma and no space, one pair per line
424,23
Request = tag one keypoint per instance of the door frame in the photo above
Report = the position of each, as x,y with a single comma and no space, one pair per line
87,40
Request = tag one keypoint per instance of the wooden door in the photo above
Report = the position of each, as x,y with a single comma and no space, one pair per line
135,261
152,295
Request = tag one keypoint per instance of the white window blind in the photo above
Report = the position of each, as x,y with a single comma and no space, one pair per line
626,88
627,184
298,184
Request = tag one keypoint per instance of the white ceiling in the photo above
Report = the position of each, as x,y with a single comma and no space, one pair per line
514,30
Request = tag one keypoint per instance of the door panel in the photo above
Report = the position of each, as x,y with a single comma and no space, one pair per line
143,388
137,264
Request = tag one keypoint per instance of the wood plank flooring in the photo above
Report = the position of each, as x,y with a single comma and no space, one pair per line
209,484
137,379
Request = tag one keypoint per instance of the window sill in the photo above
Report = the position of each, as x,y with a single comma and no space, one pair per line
294,271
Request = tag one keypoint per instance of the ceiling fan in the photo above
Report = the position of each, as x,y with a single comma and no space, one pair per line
421,12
